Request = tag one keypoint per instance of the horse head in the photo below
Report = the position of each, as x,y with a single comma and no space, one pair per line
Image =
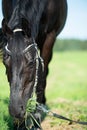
20,59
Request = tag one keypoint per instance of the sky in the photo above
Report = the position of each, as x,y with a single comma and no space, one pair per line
76,23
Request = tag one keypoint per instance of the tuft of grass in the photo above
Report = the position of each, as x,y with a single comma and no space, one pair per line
30,120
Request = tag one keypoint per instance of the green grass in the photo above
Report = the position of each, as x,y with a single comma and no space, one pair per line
67,85
6,122
68,76
66,90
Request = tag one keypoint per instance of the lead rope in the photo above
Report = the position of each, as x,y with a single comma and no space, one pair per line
43,108
32,101
37,66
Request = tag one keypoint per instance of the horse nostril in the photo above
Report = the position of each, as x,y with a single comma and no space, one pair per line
17,111
22,108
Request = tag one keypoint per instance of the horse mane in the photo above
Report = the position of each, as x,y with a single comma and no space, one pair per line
29,10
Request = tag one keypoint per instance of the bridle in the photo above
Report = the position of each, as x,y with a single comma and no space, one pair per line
37,58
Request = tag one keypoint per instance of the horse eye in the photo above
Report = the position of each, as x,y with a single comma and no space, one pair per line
6,55
31,63
6,59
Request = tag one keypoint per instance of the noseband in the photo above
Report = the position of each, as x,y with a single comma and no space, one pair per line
37,58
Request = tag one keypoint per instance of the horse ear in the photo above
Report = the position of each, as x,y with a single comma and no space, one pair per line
6,30
26,27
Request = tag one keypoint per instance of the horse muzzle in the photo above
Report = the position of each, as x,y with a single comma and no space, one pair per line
17,110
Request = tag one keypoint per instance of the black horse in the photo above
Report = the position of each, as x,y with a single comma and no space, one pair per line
25,23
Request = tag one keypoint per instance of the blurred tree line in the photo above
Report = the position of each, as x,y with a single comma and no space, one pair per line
70,44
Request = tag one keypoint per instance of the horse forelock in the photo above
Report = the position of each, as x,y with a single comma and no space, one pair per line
17,43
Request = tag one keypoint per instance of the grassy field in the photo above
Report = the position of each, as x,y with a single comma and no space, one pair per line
66,92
